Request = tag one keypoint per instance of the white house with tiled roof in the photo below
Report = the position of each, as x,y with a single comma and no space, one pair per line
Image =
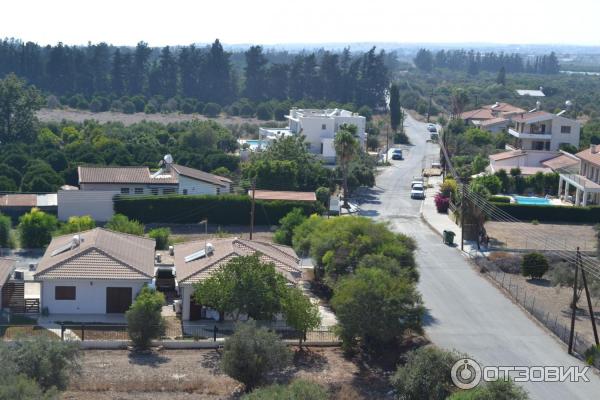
541,130
582,186
198,260
98,185
94,272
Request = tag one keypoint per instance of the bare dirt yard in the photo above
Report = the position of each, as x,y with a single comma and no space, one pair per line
543,236
188,232
57,115
194,374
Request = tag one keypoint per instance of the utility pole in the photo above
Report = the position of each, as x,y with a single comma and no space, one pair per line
387,141
574,304
462,217
252,209
429,108
589,300
205,222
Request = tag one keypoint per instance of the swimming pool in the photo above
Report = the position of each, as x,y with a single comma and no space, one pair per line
536,201
254,143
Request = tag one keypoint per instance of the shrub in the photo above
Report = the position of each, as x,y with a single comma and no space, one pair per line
161,235
211,110
5,225
78,224
500,199
22,388
442,203
534,265
251,353
264,112
128,107
366,112
297,390
398,303
35,228
323,194
144,319
121,223
425,374
150,108
495,390
592,355
287,224
449,188
227,209
48,362
279,112
300,313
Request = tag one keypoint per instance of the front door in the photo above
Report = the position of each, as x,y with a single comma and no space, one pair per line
118,299
196,311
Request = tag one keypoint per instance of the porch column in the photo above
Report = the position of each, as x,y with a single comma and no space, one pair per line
560,184
566,191
577,196
585,198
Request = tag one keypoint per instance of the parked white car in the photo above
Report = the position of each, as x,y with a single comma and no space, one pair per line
417,191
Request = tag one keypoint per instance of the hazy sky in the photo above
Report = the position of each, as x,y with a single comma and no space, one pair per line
125,22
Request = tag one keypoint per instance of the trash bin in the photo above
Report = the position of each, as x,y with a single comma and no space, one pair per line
449,237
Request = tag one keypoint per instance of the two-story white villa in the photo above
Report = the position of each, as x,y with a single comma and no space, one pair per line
319,127
585,181
541,130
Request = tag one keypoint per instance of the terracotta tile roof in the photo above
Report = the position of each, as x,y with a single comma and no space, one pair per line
7,266
140,175
102,254
18,200
283,195
589,156
532,115
506,155
562,161
200,175
286,261
494,121
504,108
480,113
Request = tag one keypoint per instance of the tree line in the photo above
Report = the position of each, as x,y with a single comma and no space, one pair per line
204,74
473,62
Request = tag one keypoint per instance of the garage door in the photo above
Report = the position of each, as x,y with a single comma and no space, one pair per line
118,299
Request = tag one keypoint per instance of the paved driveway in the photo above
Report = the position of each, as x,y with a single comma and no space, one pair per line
465,312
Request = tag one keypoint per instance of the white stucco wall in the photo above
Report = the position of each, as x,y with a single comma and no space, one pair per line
198,187
98,204
90,295
558,137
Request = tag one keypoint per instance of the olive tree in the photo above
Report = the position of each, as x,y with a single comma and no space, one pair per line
144,319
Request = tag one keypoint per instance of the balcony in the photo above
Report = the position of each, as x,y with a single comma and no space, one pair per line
533,136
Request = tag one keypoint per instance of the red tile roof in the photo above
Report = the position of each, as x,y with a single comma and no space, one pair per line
7,265
283,195
532,115
590,157
562,161
479,113
504,108
506,155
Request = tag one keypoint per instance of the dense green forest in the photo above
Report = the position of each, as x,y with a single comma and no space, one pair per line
102,77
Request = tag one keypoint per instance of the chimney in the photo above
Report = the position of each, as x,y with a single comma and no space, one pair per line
594,148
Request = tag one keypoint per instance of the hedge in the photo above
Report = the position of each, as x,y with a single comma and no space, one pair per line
228,209
528,212
499,199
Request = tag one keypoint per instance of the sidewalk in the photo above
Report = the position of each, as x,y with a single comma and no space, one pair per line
439,222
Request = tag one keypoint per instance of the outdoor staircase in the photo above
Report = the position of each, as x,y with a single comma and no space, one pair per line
13,298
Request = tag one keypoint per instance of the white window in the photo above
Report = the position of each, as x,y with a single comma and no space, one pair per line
184,191
218,191
154,191
124,190
138,190
565,129
324,126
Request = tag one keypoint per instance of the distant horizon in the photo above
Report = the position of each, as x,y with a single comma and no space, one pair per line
311,23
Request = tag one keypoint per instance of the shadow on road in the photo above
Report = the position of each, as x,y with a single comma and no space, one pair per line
428,319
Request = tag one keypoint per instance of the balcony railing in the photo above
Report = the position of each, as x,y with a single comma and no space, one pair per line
535,136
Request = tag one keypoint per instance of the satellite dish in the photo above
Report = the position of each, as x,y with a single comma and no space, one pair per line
568,103
168,159
538,105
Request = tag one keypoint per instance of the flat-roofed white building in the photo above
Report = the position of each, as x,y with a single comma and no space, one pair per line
541,130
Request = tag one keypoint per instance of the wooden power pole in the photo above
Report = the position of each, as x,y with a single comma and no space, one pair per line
574,304
252,208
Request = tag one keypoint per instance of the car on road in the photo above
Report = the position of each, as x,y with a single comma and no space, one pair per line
397,154
417,180
431,128
417,191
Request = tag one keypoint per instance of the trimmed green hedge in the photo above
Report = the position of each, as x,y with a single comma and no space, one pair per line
228,209
528,212
499,199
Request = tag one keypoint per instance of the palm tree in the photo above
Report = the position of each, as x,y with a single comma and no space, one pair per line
346,148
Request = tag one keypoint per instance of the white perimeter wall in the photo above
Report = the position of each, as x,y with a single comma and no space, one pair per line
97,203
89,298
198,187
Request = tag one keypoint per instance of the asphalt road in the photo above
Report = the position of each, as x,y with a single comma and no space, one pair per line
465,311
